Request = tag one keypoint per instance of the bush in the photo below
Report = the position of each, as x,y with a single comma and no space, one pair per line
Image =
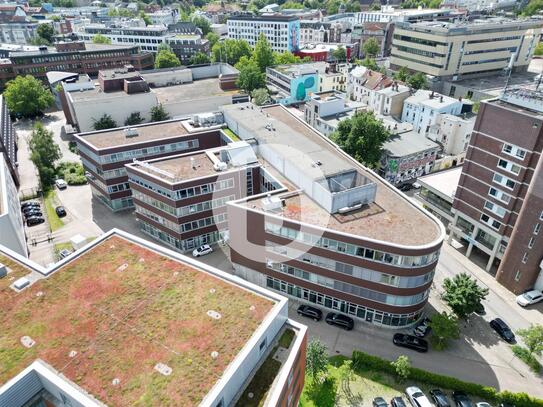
363,360
73,173
524,355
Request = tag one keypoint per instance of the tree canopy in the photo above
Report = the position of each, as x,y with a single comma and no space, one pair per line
212,38
166,59
202,24
533,7
133,119
417,81
402,74
146,19
371,47
463,294
283,58
444,327
260,96
101,39
26,96
402,365
104,122
230,51
539,49
316,358
362,137
340,54
263,54
533,338
46,31
199,58
43,153
370,64
158,113
250,76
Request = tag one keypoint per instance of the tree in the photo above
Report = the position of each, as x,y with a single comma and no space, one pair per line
370,64
444,327
46,31
290,5
402,365
104,122
533,338
260,96
230,51
133,119
371,47
345,372
199,58
164,47
250,77
263,54
339,54
417,81
463,294
26,96
166,59
43,153
285,58
202,24
533,7
37,40
539,49
212,38
402,74
101,39
158,113
146,19
316,358
362,137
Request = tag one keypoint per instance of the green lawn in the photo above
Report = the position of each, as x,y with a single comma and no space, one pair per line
231,134
51,203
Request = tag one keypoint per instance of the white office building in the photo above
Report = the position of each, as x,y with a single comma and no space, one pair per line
12,233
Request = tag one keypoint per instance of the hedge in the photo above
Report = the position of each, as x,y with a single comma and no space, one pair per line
364,360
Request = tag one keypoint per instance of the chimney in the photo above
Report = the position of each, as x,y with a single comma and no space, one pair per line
441,99
192,163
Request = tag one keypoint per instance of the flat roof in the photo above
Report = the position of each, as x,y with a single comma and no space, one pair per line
186,166
146,132
117,310
408,143
444,182
391,218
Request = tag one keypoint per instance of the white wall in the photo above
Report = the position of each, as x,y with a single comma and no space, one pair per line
12,233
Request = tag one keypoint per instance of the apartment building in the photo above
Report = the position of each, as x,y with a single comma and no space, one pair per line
326,237
11,220
498,205
465,49
362,82
282,32
15,26
452,132
186,46
315,32
181,200
104,153
423,108
76,57
389,100
227,329
8,141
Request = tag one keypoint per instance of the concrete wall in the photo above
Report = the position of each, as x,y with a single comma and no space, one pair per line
167,77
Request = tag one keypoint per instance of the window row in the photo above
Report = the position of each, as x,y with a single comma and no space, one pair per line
353,250
148,151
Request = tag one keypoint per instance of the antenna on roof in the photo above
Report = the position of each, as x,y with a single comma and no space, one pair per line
509,70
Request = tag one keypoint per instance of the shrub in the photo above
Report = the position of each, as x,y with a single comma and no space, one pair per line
73,173
363,360
525,355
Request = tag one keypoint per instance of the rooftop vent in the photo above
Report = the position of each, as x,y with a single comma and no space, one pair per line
213,314
214,354
163,369
271,203
27,341
130,132
21,283
3,270
220,166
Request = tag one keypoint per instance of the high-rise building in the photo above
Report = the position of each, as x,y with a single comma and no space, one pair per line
464,49
282,32
498,205
8,143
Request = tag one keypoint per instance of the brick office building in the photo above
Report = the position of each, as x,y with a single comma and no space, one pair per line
498,205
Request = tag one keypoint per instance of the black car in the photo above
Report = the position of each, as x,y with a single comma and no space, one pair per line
343,321
28,204
440,399
34,212
461,399
503,330
310,312
379,402
31,208
397,402
34,220
410,342
61,212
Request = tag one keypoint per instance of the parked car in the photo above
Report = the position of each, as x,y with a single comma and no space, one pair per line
33,212
31,208
61,184
410,342
480,310
461,399
397,402
343,321
34,220
416,397
310,312
529,298
423,328
503,330
483,404
379,402
64,253
440,399
27,204
202,250
61,212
